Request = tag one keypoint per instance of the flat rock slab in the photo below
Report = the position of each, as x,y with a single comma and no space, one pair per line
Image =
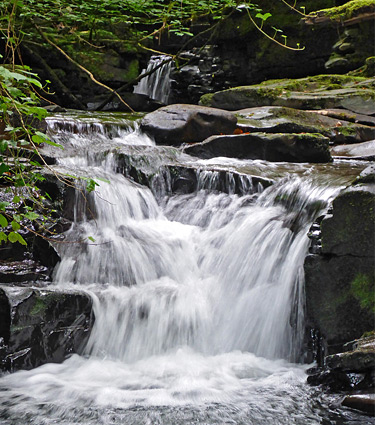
270,147
344,114
278,119
364,151
179,123
355,94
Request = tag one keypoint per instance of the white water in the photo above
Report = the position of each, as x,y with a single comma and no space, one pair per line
157,85
198,301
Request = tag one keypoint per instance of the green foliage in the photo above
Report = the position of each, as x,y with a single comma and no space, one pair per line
18,143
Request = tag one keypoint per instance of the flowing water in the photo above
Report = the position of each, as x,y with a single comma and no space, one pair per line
198,301
157,85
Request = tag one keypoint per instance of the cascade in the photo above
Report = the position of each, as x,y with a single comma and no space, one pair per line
156,85
198,302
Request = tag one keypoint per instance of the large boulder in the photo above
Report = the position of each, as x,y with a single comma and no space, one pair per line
177,124
270,147
41,325
340,287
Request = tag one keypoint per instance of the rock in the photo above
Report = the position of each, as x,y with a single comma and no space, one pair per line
177,124
320,92
339,282
348,371
342,114
360,359
42,325
351,228
363,402
367,175
339,297
277,119
270,147
361,151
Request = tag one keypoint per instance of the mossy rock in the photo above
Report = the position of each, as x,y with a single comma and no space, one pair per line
278,119
320,92
334,305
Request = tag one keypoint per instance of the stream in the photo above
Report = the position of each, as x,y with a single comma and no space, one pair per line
198,297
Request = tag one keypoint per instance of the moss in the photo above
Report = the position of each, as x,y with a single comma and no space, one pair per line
206,99
348,10
39,307
132,70
363,289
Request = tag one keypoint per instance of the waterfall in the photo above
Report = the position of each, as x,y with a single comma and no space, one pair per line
156,85
198,303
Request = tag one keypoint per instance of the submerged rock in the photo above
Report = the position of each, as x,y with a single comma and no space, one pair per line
177,124
363,402
270,147
38,326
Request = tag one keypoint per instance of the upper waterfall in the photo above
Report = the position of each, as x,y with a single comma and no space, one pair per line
156,85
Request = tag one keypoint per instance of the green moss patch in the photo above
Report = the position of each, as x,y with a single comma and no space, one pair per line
363,289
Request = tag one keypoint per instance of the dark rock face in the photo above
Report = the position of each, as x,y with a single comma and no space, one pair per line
270,147
340,295
350,230
177,124
39,326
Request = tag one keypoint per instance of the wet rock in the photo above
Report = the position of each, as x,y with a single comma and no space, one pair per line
42,325
270,147
23,271
339,281
177,124
362,402
361,151
361,359
367,175
348,371
321,92
277,119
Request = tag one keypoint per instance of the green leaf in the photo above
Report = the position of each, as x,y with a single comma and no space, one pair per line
21,240
90,186
3,221
15,226
3,205
16,199
12,237
91,239
31,215
3,169
3,237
